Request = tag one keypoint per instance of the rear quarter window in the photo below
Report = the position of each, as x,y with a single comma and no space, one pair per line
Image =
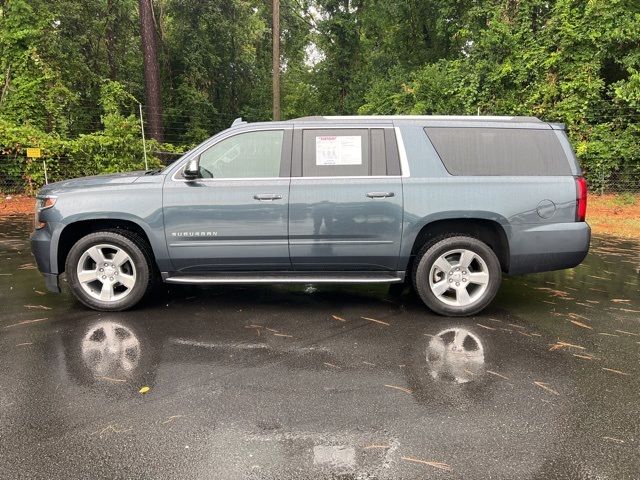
499,151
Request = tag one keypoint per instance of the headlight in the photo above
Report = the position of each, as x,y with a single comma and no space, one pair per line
42,203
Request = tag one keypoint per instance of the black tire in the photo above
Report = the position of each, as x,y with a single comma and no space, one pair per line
138,251
432,251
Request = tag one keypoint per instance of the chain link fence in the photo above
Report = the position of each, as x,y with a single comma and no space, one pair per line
19,175
22,176
614,182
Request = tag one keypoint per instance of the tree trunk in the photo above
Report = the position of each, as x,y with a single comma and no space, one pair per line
276,59
152,82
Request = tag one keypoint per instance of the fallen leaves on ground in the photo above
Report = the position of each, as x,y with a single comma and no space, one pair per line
545,387
111,379
613,439
26,322
497,374
628,333
628,310
402,389
484,326
586,357
438,465
172,418
554,292
615,371
560,345
340,319
144,390
374,320
582,325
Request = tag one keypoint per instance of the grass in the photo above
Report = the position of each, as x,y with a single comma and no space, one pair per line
617,215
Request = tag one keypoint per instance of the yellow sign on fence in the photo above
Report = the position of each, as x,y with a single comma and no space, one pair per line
33,153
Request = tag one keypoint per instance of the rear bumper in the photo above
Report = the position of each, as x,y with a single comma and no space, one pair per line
548,247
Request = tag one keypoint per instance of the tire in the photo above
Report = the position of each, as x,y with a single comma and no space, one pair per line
469,266
110,271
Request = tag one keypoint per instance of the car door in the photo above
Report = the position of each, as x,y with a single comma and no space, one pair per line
236,216
345,199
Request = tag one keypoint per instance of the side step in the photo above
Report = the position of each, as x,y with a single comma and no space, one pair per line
285,277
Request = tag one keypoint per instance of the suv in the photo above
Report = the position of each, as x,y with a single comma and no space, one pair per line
448,204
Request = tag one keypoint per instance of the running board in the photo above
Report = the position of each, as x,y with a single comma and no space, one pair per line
286,277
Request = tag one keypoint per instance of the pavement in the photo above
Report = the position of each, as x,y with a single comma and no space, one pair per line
323,382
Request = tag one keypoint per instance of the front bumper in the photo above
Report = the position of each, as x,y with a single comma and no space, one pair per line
548,247
52,282
41,250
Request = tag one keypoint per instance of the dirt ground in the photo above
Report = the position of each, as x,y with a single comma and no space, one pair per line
614,215
607,214
12,204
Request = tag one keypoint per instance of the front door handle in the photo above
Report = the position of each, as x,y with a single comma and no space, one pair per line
267,197
380,194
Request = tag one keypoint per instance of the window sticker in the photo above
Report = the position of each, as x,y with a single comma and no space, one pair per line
339,150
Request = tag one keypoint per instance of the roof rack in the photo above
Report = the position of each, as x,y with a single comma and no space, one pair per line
471,118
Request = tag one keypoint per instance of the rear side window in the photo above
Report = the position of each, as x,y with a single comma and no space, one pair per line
499,151
336,152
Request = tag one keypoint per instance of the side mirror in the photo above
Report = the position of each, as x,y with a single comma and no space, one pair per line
192,169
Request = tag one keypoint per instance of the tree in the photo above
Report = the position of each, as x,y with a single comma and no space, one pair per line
152,80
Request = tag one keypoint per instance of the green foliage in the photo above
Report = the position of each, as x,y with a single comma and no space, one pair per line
70,72
116,147
625,199
564,61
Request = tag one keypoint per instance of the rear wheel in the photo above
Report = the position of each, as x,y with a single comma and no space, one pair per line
457,276
109,271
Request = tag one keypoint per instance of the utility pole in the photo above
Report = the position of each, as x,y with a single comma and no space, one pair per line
144,142
276,59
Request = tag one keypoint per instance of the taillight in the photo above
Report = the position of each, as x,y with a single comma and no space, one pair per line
581,200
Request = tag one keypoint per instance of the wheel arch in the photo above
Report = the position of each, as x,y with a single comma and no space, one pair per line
74,231
491,231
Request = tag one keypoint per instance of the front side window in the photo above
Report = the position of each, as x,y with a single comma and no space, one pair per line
246,155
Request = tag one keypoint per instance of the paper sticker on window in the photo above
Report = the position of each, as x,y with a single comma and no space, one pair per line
339,150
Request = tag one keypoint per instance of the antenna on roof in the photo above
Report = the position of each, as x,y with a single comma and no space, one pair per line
238,121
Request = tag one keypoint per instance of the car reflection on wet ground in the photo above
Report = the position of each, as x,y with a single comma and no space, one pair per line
326,382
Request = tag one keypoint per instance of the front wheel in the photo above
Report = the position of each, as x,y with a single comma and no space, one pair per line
109,271
457,276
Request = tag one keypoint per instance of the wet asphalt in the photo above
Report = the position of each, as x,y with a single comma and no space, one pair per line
345,382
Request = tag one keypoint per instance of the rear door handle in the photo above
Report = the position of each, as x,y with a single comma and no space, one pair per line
380,194
267,197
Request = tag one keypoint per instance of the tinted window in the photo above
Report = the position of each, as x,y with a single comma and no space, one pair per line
247,155
499,151
335,152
